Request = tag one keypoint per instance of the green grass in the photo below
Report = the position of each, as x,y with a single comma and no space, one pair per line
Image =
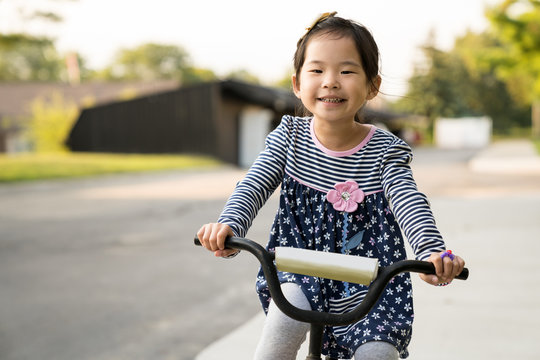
537,145
27,167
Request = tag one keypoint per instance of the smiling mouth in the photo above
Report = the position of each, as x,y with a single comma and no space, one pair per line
331,100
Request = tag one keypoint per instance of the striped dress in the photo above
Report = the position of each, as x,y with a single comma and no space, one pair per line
310,217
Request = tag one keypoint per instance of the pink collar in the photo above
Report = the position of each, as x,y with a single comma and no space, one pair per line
341,153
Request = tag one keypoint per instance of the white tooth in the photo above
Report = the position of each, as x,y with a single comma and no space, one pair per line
332,100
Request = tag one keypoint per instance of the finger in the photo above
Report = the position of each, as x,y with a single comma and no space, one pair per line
448,269
430,279
459,265
222,237
224,232
213,240
438,263
202,235
205,235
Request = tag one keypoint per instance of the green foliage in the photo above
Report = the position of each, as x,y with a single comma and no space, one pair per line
32,11
285,82
50,123
516,23
243,75
29,58
537,145
149,62
487,93
463,82
496,73
153,62
436,86
25,167
193,75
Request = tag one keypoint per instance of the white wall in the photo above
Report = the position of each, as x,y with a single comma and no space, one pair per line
460,133
255,125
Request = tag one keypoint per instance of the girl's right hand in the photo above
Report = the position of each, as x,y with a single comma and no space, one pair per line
212,236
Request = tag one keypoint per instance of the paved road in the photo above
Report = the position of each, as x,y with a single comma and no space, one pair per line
105,269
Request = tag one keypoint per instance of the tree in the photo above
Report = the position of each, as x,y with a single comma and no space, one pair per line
29,58
487,93
462,82
149,62
31,13
435,88
193,75
243,75
26,57
516,23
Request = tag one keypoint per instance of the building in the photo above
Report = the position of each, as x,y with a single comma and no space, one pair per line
16,100
228,120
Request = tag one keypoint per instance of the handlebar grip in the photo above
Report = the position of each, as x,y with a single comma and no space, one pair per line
463,275
355,269
419,266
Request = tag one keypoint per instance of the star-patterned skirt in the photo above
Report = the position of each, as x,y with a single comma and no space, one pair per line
305,219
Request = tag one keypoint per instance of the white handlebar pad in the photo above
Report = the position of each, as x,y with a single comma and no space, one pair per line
354,269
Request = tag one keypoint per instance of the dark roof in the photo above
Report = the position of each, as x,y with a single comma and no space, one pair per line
15,98
274,98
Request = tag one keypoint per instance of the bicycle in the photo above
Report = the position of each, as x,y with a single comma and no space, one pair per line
334,266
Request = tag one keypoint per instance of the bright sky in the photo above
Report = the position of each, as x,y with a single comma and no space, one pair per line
246,34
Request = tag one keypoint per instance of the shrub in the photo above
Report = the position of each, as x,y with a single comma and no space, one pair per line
50,123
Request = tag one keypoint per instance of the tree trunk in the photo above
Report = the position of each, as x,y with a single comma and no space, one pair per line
535,119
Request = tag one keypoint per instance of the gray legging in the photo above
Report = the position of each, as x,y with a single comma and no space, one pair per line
282,336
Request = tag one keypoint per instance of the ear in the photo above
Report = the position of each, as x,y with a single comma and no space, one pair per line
374,87
296,86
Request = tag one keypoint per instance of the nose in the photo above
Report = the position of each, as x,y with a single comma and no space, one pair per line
330,81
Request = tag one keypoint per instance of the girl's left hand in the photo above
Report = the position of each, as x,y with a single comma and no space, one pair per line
446,269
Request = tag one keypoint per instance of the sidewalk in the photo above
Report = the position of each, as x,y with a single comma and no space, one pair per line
473,225
239,344
511,156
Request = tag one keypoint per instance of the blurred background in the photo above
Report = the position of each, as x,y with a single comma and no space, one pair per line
476,60
126,125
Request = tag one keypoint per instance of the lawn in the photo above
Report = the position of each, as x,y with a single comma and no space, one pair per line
26,167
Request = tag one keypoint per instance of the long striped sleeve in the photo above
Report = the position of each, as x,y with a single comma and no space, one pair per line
260,182
411,207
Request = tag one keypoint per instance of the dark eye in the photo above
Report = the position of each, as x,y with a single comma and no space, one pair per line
346,72
316,71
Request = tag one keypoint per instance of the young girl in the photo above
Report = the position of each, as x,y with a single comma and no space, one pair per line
346,187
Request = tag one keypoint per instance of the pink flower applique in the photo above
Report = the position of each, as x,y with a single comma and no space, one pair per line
346,196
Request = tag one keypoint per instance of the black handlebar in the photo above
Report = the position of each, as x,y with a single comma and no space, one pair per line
385,274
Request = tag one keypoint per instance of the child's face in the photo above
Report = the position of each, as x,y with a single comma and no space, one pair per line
332,84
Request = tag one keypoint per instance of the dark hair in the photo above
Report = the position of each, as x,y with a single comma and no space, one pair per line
328,24
333,25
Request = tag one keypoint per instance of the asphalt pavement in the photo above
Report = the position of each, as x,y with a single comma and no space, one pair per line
104,268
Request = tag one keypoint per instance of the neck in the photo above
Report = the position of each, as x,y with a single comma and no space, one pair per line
340,136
